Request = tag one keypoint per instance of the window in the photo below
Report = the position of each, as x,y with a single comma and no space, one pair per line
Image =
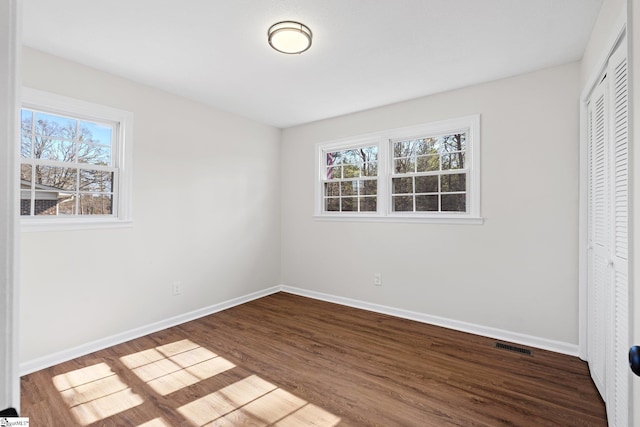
72,163
351,179
429,172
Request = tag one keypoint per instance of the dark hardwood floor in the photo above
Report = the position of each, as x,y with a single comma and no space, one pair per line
286,360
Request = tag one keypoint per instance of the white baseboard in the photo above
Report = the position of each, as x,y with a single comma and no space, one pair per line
499,334
63,356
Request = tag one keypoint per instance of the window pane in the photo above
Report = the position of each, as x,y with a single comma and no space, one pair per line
25,206
370,154
404,165
428,163
453,161
66,206
348,189
55,178
332,205
55,149
369,187
349,204
368,204
351,157
50,202
427,203
96,181
25,176
332,189
25,133
25,146
455,142
55,126
95,204
427,184
369,169
426,146
25,189
331,159
334,172
453,182
454,202
26,117
94,154
403,149
402,185
402,203
351,171
96,133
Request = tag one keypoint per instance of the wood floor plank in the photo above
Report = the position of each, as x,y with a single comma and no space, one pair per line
288,360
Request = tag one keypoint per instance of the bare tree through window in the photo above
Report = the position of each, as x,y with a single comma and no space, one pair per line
67,165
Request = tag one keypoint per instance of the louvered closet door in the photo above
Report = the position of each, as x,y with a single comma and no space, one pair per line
608,237
618,394
598,279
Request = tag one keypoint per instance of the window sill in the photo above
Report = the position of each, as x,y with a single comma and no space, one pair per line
400,218
36,225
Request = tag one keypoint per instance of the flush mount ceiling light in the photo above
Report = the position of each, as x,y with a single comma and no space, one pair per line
290,37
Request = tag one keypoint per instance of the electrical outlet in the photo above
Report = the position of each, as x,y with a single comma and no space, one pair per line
377,279
177,288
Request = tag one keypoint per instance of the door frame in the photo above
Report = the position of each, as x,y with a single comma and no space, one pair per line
10,45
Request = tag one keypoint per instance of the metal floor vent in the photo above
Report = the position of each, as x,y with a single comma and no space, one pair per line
513,348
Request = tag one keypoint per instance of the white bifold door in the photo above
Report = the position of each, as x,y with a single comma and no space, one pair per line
608,238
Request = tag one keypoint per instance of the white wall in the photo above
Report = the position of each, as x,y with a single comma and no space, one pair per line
516,272
206,210
611,12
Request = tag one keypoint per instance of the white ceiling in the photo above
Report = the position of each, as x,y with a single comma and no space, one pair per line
365,53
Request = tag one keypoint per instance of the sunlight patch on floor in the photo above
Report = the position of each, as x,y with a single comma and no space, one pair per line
309,415
175,366
225,400
95,393
265,410
156,422
253,401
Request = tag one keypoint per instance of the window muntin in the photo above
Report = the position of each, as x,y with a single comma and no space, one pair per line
350,181
429,174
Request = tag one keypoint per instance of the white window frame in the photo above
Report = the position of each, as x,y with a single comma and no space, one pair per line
339,146
384,139
123,156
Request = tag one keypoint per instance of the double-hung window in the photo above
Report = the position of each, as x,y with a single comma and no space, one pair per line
74,163
429,172
350,179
